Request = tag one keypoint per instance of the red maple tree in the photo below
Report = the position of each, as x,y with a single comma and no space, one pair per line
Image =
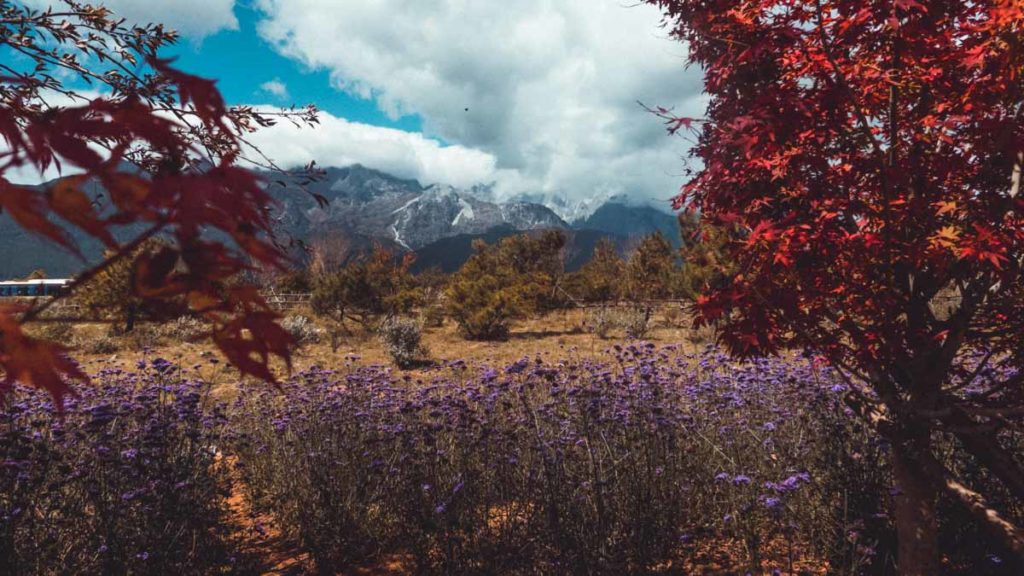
869,154
169,155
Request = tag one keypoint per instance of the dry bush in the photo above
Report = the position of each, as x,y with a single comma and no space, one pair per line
98,343
62,332
433,316
141,337
702,336
674,316
185,329
601,321
302,330
636,322
335,332
402,340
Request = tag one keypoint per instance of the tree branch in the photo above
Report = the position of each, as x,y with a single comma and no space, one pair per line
1008,534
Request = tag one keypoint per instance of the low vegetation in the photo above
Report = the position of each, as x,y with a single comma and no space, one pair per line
125,481
402,340
645,459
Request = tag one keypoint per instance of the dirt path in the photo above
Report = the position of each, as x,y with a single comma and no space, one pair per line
265,550
257,537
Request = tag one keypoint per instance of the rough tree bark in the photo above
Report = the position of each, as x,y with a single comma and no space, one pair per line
915,506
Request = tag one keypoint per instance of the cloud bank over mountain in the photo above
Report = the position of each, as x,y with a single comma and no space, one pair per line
549,90
338,142
533,96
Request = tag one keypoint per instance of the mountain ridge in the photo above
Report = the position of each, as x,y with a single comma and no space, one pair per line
351,208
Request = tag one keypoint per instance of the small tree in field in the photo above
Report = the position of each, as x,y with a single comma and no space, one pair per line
378,285
600,279
537,262
870,153
111,292
651,270
484,296
703,255
166,151
505,281
651,274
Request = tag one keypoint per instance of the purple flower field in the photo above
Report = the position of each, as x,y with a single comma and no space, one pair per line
576,467
124,482
648,461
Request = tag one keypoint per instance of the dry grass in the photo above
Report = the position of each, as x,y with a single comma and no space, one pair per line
555,335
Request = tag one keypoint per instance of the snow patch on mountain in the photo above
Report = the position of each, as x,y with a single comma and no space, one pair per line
405,206
398,237
466,212
568,209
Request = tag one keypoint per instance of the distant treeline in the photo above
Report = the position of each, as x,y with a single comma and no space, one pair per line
515,277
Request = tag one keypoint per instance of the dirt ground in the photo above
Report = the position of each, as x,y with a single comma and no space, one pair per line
555,335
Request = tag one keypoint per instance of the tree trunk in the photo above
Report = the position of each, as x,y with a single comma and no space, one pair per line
915,501
129,323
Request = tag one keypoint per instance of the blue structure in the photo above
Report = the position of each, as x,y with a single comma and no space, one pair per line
33,288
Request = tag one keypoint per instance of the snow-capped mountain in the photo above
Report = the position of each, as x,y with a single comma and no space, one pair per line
630,220
374,204
443,211
568,209
360,206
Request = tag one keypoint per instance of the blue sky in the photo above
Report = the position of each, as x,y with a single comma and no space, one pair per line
242,61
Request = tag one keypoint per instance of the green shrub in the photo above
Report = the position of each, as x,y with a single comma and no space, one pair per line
503,282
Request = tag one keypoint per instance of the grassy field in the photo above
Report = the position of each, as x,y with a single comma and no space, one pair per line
553,335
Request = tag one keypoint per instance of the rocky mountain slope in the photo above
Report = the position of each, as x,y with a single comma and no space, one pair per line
631,221
350,209
374,204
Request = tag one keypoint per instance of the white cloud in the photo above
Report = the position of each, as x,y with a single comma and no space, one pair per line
338,142
275,87
195,19
549,88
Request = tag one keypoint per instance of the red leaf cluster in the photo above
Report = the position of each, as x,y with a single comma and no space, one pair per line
865,152
165,148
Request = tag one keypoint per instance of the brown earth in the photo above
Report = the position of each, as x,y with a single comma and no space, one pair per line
556,335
